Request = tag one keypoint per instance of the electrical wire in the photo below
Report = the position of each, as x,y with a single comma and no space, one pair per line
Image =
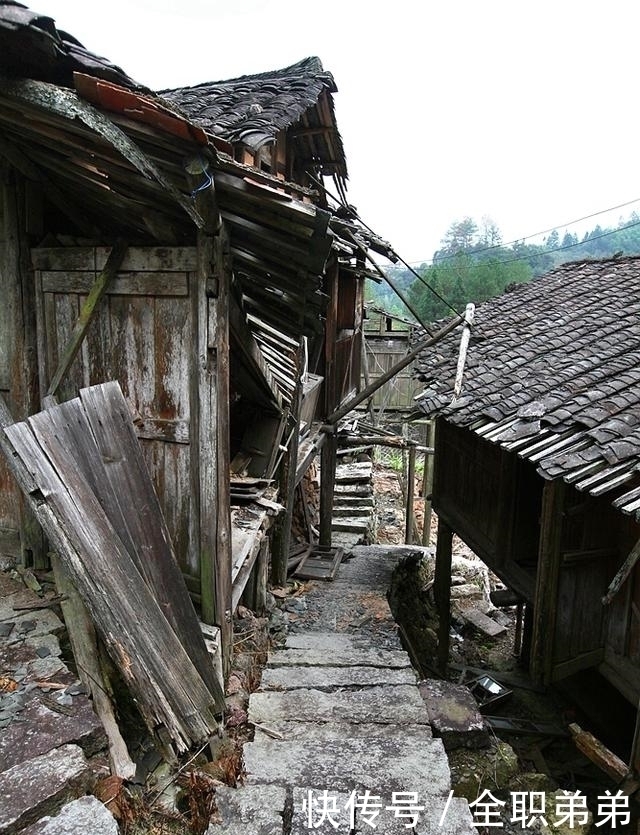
429,261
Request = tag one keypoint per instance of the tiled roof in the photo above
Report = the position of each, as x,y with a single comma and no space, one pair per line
32,47
253,108
553,373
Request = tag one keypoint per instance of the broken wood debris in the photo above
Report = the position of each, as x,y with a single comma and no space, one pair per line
319,563
81,470
598,753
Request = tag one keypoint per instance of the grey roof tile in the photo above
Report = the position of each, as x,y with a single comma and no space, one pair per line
566,344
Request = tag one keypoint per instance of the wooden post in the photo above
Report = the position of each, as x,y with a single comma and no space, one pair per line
210,422
411,479
546,593
18,337
282,541
427,482
327,487
442,591
84,643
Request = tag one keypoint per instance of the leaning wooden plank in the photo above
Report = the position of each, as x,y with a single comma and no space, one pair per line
168,690
89,309
592,748
625,570
129,486
86,655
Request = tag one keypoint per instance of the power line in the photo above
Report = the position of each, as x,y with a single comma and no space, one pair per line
559,248
354,213
430,261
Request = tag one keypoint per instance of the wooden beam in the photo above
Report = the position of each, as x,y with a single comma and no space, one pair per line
251,353
598,753
327,487
84,643
35,174
411,481
395,369
87,314
625,570
546,592
442,591
282,541
427,482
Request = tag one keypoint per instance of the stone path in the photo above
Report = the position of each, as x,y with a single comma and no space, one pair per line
338,715
49,734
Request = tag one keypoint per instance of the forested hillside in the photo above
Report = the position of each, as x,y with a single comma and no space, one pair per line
474,265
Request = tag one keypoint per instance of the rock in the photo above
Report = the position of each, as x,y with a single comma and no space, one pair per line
80,817
250,809
474,771
553,826
453,714
41,729
528,781
38,786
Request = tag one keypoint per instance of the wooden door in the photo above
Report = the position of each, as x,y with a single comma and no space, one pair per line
143,336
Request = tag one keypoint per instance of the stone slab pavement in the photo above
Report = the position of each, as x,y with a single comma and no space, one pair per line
341,730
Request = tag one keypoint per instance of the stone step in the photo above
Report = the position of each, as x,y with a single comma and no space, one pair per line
384,658
350,473
356,490
384,764
341,500
330,678
360,524
248,810
39,786
357,511
457,816
85,816
328,641
392,705
318,733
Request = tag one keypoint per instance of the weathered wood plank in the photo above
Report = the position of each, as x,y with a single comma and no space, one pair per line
128,493
137,259
150,657
123,284
87,658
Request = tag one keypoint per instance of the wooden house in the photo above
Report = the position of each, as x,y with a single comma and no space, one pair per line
537,463
181,245
389,338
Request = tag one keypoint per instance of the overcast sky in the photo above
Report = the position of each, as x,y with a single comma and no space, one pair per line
524,112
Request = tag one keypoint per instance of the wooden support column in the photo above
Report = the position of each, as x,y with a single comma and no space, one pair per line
18,338
546,593
411,480
210,421
282,540
427,482
327,487
442,591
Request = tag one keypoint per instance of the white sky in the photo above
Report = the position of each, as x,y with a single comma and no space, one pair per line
525,112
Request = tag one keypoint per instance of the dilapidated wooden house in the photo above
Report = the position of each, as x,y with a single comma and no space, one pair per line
538,462
181,245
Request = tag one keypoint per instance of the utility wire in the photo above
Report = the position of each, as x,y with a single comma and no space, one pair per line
559,248
391,249
537,234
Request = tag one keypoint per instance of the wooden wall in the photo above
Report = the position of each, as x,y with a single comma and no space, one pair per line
20,535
